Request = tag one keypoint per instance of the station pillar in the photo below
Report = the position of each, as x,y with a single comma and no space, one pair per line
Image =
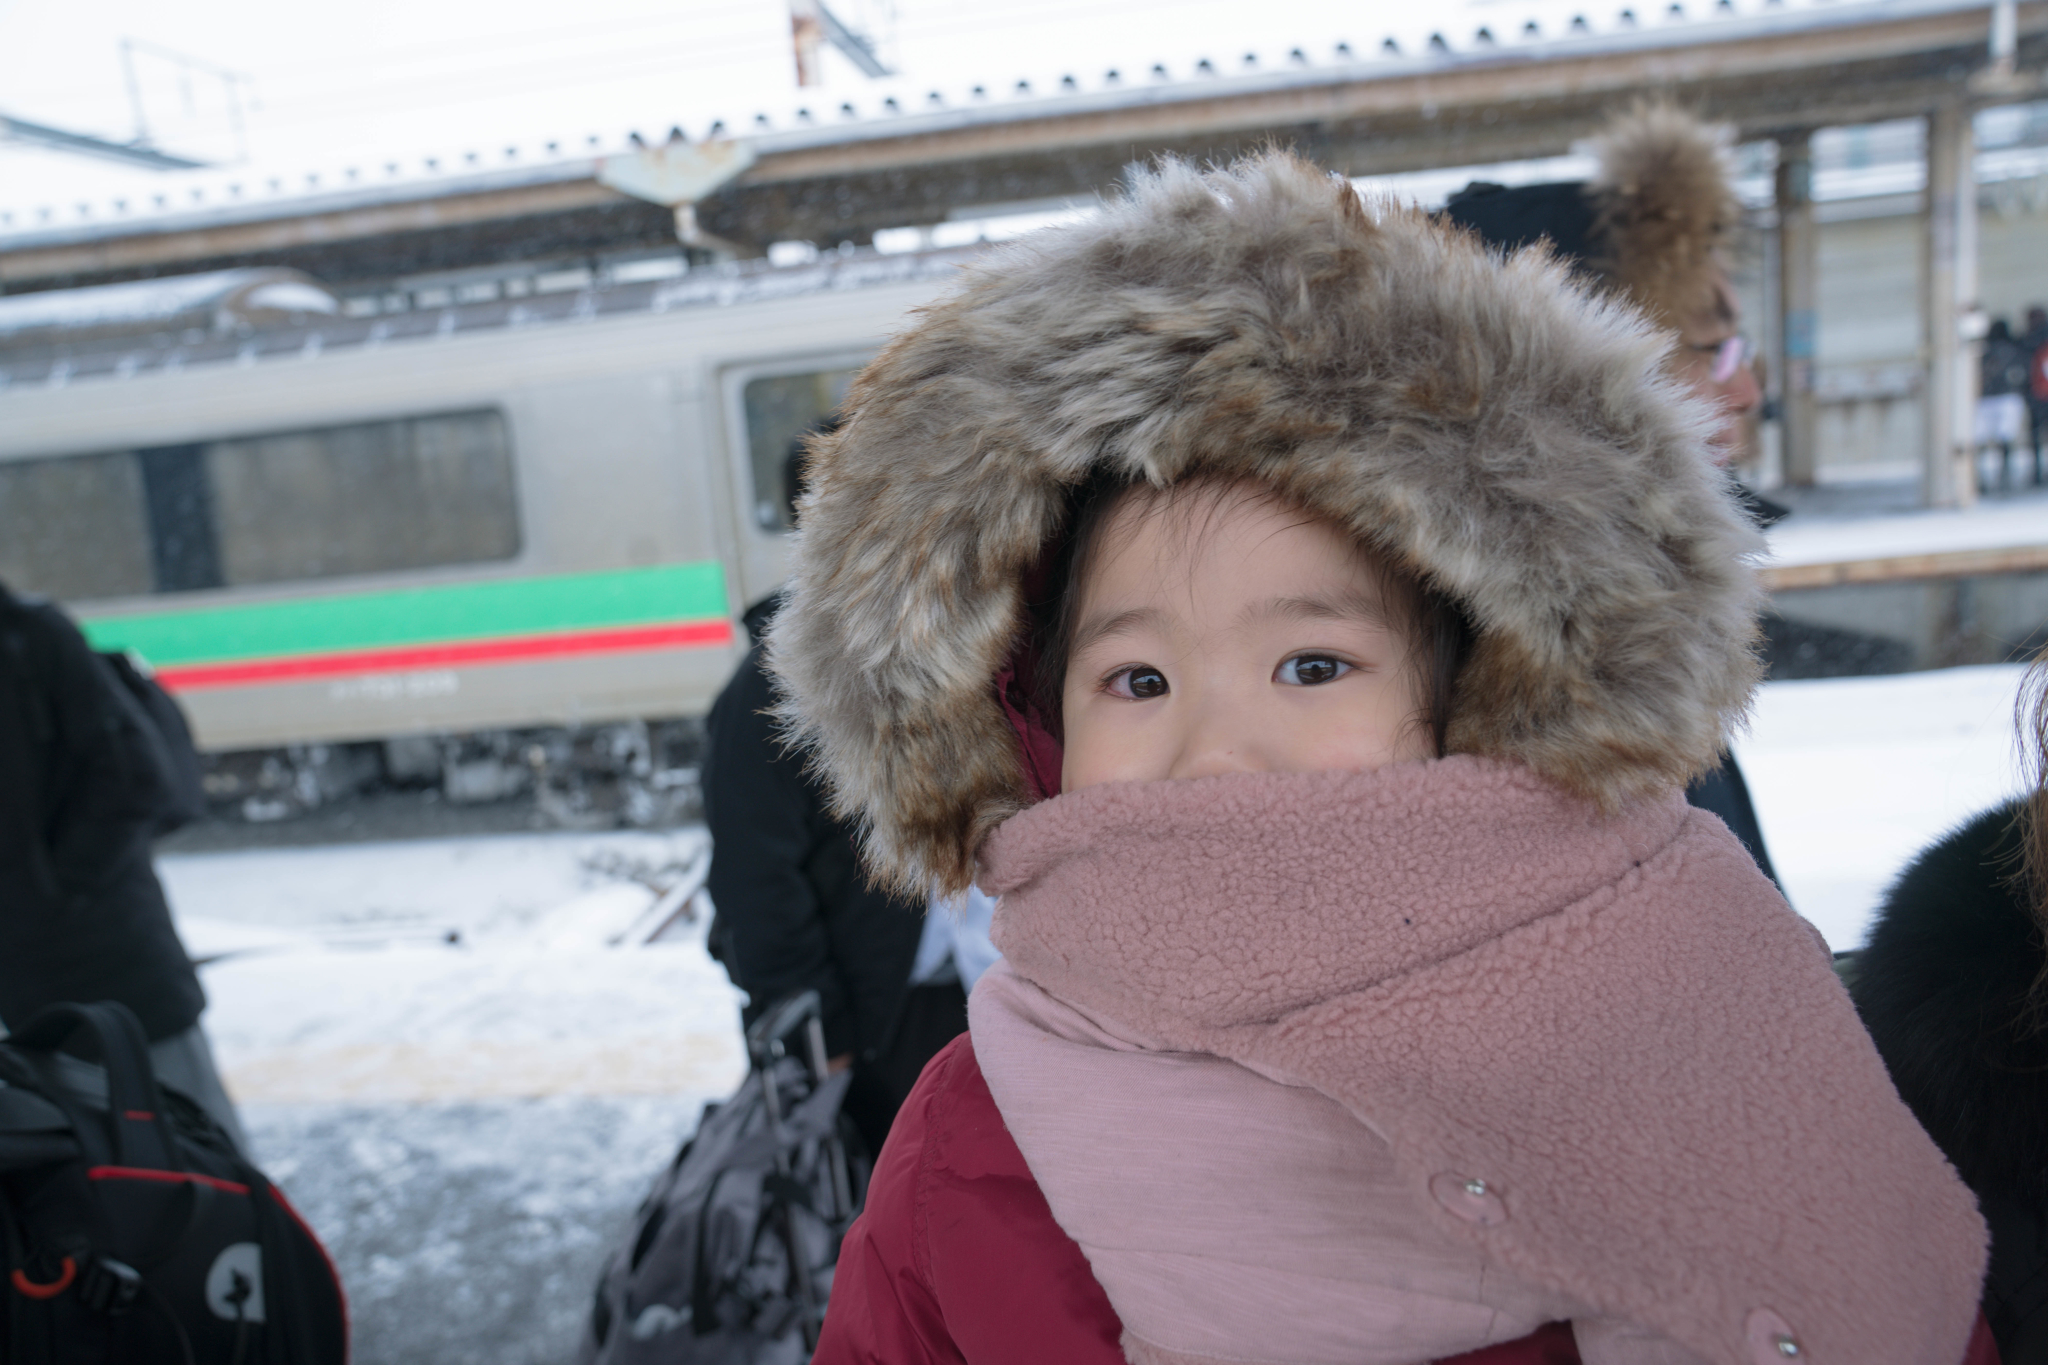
1948,309
1798,301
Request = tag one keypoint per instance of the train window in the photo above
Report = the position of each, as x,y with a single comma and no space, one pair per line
365,498
74,528
780,409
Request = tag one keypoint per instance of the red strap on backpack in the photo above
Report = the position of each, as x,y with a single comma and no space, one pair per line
28,1288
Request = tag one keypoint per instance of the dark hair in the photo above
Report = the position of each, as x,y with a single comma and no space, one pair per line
1438,627
2031,877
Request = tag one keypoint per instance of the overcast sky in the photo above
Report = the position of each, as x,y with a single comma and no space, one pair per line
372,80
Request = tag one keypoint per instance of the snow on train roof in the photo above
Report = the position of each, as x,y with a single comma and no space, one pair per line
818,118
166,302
39,358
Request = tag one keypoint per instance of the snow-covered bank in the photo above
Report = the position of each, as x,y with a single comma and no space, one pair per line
455,969
1853,776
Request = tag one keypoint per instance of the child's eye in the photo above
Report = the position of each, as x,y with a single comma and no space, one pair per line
1141,683
1308,670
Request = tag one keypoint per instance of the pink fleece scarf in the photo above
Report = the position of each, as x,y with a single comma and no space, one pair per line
1347,1067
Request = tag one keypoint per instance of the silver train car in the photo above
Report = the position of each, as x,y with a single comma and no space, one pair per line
537,508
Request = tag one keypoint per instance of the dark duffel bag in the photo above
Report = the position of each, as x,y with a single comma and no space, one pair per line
134,1232
731,1256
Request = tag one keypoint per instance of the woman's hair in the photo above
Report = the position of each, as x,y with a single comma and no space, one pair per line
2032,714
1439,632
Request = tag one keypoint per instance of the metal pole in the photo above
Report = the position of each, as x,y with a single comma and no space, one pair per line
806,31
134,93
1950,244
2005,33
1798,296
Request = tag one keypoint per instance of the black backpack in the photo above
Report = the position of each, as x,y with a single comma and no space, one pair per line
133,1232
731,1256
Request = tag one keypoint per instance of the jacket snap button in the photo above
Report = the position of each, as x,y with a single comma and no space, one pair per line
1771,1340
1470,1198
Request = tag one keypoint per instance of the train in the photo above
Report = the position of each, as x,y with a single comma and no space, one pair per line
429,521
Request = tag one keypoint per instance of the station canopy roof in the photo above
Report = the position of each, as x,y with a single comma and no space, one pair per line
834,165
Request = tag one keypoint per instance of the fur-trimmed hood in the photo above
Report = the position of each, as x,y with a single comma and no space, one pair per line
1487,425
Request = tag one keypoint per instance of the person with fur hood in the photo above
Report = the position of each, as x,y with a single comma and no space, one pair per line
1304,621
1655,226
1953,984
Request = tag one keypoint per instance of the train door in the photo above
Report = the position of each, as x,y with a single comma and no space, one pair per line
770,407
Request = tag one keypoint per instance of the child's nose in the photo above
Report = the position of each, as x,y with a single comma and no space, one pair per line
1216,743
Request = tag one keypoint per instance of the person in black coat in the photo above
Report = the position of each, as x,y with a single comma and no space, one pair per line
2001,394
1953,986
87,779
794,910
2034,346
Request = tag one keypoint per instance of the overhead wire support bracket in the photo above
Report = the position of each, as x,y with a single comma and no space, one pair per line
84,144
857,48
812,22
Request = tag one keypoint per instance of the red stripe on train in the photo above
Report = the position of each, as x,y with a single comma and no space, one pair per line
309,667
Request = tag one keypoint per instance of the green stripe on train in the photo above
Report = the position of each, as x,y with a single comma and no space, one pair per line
412,616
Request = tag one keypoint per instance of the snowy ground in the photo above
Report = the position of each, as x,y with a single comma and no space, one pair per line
1852,776
467,1085
462,1083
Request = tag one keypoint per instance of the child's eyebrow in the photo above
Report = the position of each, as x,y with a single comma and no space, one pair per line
1349,605
1095,631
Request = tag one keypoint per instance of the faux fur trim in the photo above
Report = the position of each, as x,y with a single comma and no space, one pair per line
1943,988
1665,211
1488,424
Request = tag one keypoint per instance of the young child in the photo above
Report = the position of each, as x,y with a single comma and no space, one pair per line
1304,622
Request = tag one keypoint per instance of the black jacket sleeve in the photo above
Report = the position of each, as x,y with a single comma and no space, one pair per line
157,720
1724,793
27,731
98,775
767,825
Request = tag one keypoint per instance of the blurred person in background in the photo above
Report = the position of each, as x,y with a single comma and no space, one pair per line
1953,986
95,763
795,911
2001,402
2035,344
1655,226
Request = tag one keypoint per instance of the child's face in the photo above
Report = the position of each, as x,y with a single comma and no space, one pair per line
1234,635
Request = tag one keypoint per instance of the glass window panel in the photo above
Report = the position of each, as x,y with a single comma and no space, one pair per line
369,498
780,409
75,528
